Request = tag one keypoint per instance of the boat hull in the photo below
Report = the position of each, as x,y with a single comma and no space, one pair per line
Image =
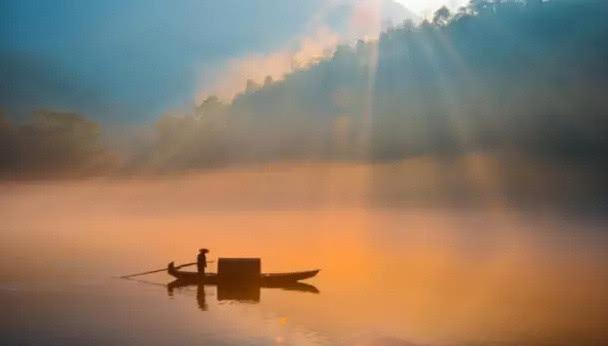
271,279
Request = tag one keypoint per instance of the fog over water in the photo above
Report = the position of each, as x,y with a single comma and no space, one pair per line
424,275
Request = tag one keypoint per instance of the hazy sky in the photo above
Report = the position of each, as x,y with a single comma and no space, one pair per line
425,7
133,60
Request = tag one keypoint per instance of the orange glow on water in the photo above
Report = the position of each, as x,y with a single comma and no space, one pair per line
429,275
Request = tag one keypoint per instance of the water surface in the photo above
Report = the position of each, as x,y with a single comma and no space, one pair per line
390,276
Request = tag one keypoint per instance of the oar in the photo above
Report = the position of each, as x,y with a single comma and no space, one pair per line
156,271
159,270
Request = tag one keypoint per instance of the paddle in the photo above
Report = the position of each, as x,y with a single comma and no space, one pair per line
159,270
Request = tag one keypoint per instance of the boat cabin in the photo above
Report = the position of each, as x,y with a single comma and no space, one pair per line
239,269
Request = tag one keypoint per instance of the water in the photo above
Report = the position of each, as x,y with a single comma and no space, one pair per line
390,276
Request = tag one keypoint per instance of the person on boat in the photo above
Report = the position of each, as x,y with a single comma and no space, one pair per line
201,261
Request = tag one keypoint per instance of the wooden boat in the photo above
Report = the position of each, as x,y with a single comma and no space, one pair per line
271,279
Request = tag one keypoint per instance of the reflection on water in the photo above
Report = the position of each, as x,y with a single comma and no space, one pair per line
243,293
389,276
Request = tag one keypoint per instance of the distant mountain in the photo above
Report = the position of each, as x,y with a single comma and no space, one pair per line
515,81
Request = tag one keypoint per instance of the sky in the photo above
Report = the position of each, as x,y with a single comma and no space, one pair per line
132,61
424,8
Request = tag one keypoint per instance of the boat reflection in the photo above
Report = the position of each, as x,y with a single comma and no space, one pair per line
242,293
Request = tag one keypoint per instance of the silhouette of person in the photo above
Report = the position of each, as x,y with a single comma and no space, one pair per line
201,261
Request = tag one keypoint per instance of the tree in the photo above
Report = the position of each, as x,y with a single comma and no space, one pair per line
4,123
408,26
442,16
267,81
481,6
251,86
534,3
211,105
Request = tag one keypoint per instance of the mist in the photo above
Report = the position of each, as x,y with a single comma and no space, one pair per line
498,100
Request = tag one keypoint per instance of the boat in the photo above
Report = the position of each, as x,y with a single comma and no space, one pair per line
264,279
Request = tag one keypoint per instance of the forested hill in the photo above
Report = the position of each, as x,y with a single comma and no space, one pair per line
520,83
496,74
